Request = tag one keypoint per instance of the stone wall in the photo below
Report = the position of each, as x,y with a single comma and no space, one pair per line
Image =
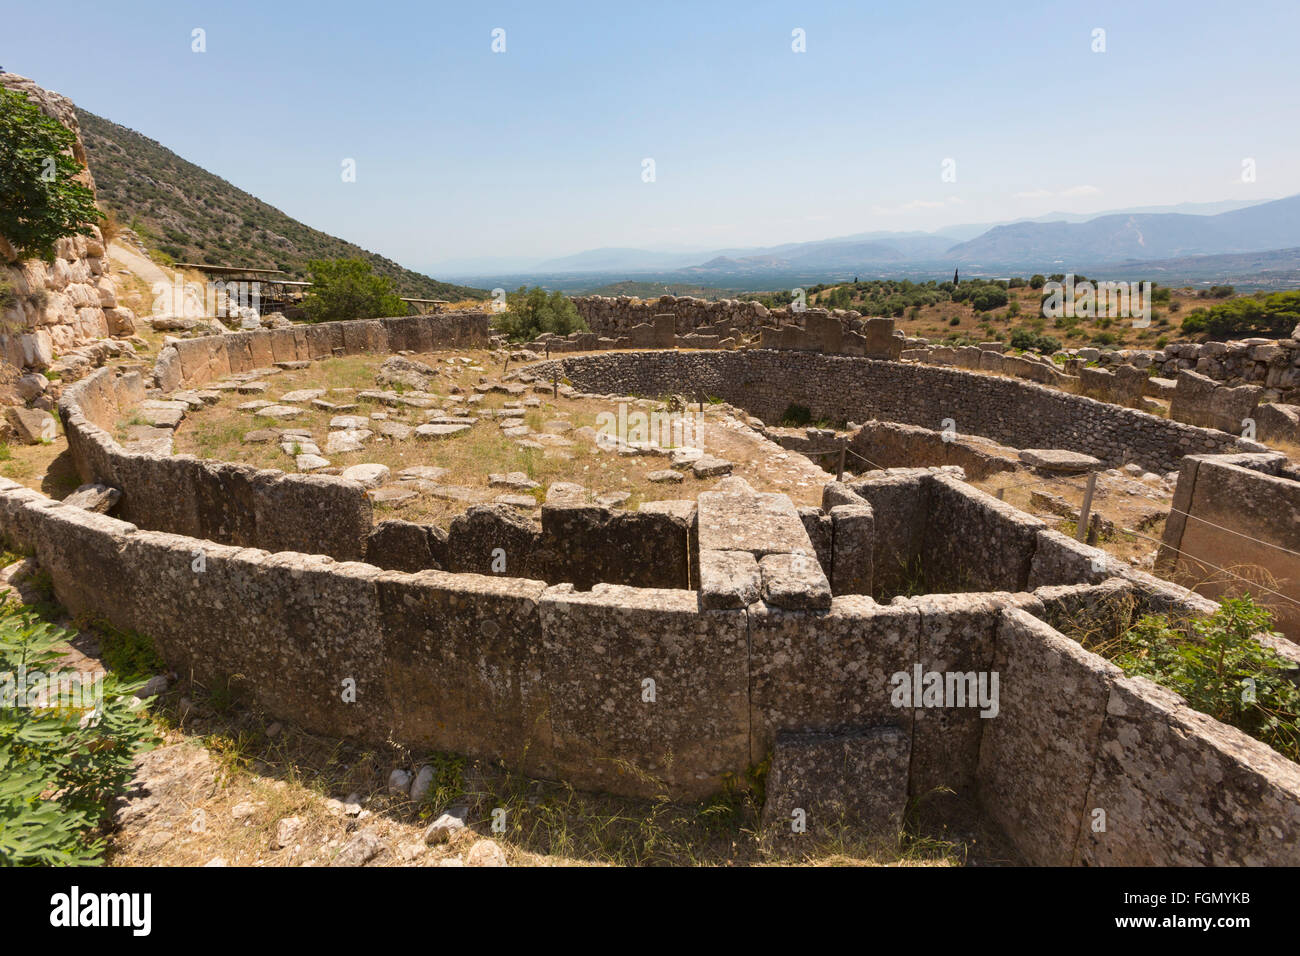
1238,513
685,322
68,302
642,692
841,389
1084,766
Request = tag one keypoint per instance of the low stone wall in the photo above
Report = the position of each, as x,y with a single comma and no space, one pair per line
1239,513
585,685
231,503
891,445
845,389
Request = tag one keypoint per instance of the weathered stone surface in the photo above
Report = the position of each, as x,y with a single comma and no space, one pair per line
406,546
399,370
853,538
1059,459
664,477
855,780
1036,757
370,475
31,425
740,519
515,480
729,579
447,826
341,443
279,412
97,498
425,472
794,581
1278,423
685,727
486,853
394,496
349,422
838,681
476,535
1181,789
360,850
433,431
711,467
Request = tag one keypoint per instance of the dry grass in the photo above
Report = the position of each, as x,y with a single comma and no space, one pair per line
276,771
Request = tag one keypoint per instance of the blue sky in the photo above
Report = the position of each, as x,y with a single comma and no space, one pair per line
465,153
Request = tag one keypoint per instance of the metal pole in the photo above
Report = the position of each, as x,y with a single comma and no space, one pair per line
1081,533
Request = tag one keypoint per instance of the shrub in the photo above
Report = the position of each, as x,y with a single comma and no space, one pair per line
59,771
988,297
530,312
347,289
1275,315
1221,670
1026,341
1037,280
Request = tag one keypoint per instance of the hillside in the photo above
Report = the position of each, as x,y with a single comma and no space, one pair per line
194,216
927,309
1267,226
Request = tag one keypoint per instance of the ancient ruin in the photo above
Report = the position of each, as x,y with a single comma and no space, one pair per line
765,629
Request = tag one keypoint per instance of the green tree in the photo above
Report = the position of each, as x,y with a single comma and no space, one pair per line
40,199
347,289
988,297
530,312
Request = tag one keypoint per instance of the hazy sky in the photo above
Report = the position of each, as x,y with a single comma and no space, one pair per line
462,152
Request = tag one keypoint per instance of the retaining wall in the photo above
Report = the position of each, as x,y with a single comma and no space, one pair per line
554,681
841,389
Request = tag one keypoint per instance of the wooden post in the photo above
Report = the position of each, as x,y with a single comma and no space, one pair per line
1001,493
1084,512
843,449
505,368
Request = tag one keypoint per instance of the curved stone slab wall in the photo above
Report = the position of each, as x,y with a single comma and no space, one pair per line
553,681
839,388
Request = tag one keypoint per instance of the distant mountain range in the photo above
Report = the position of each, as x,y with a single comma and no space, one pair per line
1211,240
1121,236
